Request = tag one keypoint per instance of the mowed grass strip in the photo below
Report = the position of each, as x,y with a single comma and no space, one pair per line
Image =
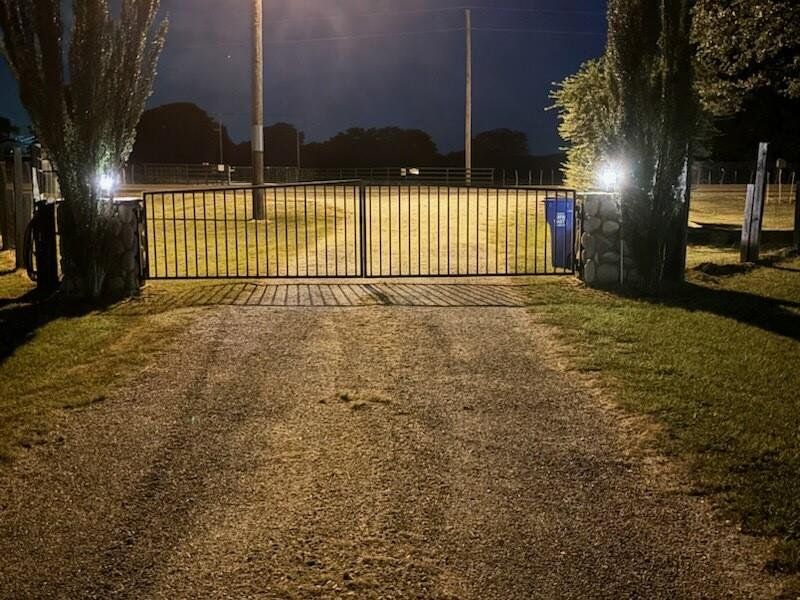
718,365
315,231
724,205
55,356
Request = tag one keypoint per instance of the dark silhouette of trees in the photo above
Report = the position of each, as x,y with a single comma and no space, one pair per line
388,146
501,148
185,133
179,133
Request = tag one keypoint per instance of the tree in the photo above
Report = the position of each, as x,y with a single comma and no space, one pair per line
501,148
745,47
586,120
651,80
181,132
84,110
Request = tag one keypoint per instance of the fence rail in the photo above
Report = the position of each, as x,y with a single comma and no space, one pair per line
225,174
351,229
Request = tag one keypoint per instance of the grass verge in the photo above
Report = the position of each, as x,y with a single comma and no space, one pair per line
52,358
718,365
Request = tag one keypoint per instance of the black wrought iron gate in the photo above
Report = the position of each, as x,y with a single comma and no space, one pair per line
348,229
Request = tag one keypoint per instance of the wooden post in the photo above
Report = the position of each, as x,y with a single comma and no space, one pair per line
22,209
797,218
5,210
754,210
748,219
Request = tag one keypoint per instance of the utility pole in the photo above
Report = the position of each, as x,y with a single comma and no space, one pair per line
221,154
468,114
258,109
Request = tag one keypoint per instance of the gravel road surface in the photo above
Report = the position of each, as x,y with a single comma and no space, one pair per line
367,452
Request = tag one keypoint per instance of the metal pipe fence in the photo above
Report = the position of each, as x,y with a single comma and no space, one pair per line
209,174
349,229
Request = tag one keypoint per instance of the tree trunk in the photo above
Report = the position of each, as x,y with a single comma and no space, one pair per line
87,232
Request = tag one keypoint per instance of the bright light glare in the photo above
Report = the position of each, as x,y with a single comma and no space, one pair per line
610,177
106,183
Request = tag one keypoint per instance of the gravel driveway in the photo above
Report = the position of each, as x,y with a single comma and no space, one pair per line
372,452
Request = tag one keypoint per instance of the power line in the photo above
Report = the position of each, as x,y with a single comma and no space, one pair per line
446,9
391,34
542,31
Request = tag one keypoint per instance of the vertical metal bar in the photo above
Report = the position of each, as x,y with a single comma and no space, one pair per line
266,229
438,229
246,232
527,195
225,217
325,212
496,231
419,232
255,229
429,243
205,230
346,245
466,250
174,234
545,233
477,230
516,230
335,234
305,223
296,235
185,236
154,237
362,214
286,229
389,208
536,232
506,240
277,233
410,260
458,231
236,228
316,235
448,230
487,232
380,227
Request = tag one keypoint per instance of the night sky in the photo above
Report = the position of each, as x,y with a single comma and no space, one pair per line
370,76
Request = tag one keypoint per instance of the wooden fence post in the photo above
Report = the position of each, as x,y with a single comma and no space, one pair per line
5,209
19,211
797,217
754,210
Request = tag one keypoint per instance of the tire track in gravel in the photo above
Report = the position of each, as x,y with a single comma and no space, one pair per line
378,452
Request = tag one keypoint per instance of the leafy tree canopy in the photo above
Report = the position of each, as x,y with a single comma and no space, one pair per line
743,47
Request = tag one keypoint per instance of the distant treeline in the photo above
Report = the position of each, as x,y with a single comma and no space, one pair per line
183,133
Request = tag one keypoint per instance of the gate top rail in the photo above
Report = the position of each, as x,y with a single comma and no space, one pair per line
244,188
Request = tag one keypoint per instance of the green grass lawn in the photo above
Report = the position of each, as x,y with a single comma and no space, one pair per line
56,357
718,365
314,230
724,205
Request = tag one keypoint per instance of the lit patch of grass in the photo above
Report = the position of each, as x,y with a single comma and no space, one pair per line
13,283
717,364
54,357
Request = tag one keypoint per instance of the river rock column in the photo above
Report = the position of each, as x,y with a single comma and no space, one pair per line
127,279
602,243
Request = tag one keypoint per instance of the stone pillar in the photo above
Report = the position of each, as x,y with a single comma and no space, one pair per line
603,243
127,279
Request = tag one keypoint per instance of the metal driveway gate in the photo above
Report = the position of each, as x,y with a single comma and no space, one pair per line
347,229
